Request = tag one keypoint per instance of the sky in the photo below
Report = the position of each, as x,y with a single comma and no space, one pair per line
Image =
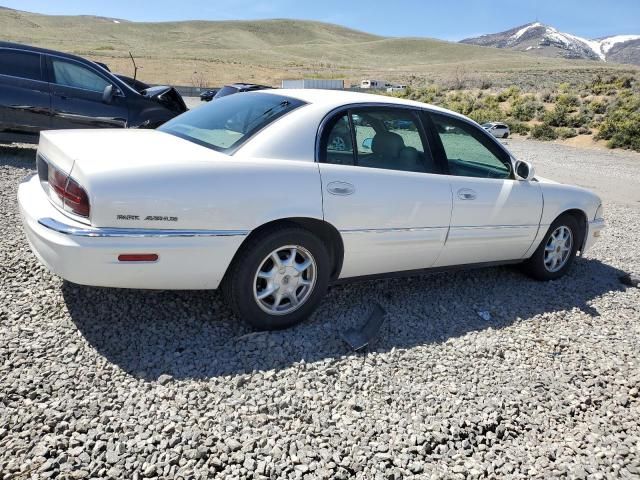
443,19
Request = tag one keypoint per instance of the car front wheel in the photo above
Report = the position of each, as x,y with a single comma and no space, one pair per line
557,251
278,278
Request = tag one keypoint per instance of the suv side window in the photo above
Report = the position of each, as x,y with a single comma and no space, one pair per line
72,74
469,152
20,64
386,138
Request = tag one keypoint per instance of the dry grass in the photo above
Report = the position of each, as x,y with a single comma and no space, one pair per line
269,50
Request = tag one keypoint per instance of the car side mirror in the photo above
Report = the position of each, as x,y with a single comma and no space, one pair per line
367,143
107,94
524,171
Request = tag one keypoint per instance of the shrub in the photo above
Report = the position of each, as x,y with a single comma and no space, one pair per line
430,94
558,117
609,86
511,92
543,132
564,87
484,115
621,125
485,84
568,100
597,106
566,132
519,128
525,108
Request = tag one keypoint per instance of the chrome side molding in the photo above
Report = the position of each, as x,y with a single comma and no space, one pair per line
110,232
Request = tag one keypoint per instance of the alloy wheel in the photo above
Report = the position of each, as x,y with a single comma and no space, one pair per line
285,280
558,249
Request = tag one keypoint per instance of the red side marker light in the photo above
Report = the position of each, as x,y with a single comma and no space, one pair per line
138,257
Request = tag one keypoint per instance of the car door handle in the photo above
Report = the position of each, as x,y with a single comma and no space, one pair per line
340,188
467,194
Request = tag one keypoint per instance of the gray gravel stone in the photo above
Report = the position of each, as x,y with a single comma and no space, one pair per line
100,383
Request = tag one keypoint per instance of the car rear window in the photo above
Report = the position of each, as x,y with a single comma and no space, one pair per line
226,123
20,64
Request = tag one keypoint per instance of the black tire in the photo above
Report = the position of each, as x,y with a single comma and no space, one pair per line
238,284
506,135
535,266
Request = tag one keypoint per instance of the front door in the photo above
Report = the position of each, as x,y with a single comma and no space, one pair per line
77,97
495,217
382,190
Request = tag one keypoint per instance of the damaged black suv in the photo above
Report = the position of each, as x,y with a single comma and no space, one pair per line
43,90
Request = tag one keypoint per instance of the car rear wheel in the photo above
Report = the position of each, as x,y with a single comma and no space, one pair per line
506,135
278,278
556,252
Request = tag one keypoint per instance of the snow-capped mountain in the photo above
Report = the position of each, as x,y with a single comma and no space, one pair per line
550,42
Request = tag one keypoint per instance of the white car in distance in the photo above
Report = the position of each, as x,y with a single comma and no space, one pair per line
273,195
498,130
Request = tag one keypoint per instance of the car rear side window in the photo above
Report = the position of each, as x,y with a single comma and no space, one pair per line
228,122
337,145
71,74
384,137
20,64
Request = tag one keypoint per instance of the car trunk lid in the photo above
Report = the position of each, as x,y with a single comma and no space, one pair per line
116,162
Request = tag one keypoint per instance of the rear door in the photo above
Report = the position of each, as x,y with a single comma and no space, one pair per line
77,97
382,190
495,217
25,102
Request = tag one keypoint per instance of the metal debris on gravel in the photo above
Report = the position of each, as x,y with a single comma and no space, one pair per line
361,336
108,383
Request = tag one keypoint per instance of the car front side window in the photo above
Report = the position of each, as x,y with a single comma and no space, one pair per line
71,74
469,152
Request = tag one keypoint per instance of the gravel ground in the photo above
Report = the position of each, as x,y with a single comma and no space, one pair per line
107,383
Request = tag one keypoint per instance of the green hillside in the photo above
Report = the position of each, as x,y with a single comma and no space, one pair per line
267,51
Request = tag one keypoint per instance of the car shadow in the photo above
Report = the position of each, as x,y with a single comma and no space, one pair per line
192,334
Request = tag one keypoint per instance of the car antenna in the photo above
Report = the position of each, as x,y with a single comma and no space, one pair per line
135,67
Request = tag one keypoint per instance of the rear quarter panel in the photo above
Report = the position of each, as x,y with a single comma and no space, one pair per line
213,195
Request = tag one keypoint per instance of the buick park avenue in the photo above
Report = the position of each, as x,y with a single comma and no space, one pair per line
275,194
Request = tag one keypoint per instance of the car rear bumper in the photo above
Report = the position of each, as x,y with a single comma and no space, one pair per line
187,259
594,230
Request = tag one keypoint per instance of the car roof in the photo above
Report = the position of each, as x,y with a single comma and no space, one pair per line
336,98
30,48
246,85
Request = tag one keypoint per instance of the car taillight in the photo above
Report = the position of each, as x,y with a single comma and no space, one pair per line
73,197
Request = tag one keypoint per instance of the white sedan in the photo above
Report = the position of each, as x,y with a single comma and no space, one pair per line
273,195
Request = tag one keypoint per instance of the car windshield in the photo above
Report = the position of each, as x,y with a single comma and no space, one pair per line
226,90
228,122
